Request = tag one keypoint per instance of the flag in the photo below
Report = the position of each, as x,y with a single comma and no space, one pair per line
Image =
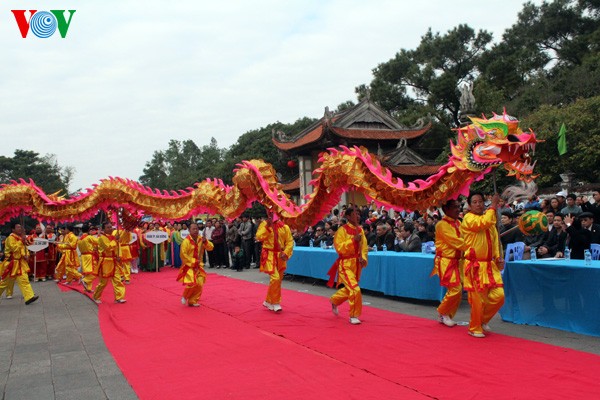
562,140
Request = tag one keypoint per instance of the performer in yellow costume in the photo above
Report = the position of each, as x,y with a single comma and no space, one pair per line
277,248
483,263
351,244
124,267
14,268
10,288
448,261
107,265
88,247
192,273
69,262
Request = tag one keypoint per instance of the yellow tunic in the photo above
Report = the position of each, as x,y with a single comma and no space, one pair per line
348,267
15,268
270,259
348,254
276,240
68,248
192,273
449,246
14,263
107,250
481,237
124,249
192,262
88,247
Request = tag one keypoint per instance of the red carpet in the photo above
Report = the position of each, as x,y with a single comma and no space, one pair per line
231,347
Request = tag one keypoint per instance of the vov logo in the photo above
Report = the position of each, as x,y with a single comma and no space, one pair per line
43,24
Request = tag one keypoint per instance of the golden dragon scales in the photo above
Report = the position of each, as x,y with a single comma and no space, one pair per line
480,146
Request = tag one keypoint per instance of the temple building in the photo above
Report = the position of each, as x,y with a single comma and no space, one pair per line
366,125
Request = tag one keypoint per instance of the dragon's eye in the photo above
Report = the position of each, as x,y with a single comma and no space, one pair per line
513,138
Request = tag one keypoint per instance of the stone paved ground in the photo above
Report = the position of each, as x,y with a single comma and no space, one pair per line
53,349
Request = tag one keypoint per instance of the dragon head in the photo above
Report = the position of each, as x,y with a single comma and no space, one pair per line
488,143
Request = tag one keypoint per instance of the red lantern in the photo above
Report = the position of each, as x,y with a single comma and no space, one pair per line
292,164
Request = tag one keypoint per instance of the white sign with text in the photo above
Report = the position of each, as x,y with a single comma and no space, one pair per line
38,244
156,237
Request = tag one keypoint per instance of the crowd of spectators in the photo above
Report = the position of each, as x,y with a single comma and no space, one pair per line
572,223
385,230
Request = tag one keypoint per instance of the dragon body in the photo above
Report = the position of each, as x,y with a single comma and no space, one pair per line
480,146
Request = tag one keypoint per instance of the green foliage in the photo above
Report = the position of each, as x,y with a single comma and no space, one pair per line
45,171
583,136
549,56
258,144
433,72
182,164
345,106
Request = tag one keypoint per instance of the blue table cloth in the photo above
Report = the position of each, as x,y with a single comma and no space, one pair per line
388,272
556,294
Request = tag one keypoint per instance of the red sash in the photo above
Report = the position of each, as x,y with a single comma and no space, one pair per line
264,255
9,267
472,265
333,271
185,268
452,268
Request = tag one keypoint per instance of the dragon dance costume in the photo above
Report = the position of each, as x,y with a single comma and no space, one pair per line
69,262
449,247
88,247
483,280
124,253
192,273
107,268
348,267
14,268
276,241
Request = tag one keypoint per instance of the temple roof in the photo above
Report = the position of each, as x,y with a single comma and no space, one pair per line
365,121
290,186
415,170
405,161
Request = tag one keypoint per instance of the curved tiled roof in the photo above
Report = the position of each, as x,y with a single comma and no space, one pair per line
359,134
293,185
421,170
308,138
380,134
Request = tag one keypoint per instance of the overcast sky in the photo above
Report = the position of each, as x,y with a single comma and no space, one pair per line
131,75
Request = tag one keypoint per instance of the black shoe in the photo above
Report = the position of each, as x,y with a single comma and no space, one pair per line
31,300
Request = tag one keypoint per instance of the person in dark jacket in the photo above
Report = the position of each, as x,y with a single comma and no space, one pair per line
579,238
507,220
383,237
554,244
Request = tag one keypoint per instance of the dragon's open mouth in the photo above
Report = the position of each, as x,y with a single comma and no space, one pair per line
518,157
514,151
